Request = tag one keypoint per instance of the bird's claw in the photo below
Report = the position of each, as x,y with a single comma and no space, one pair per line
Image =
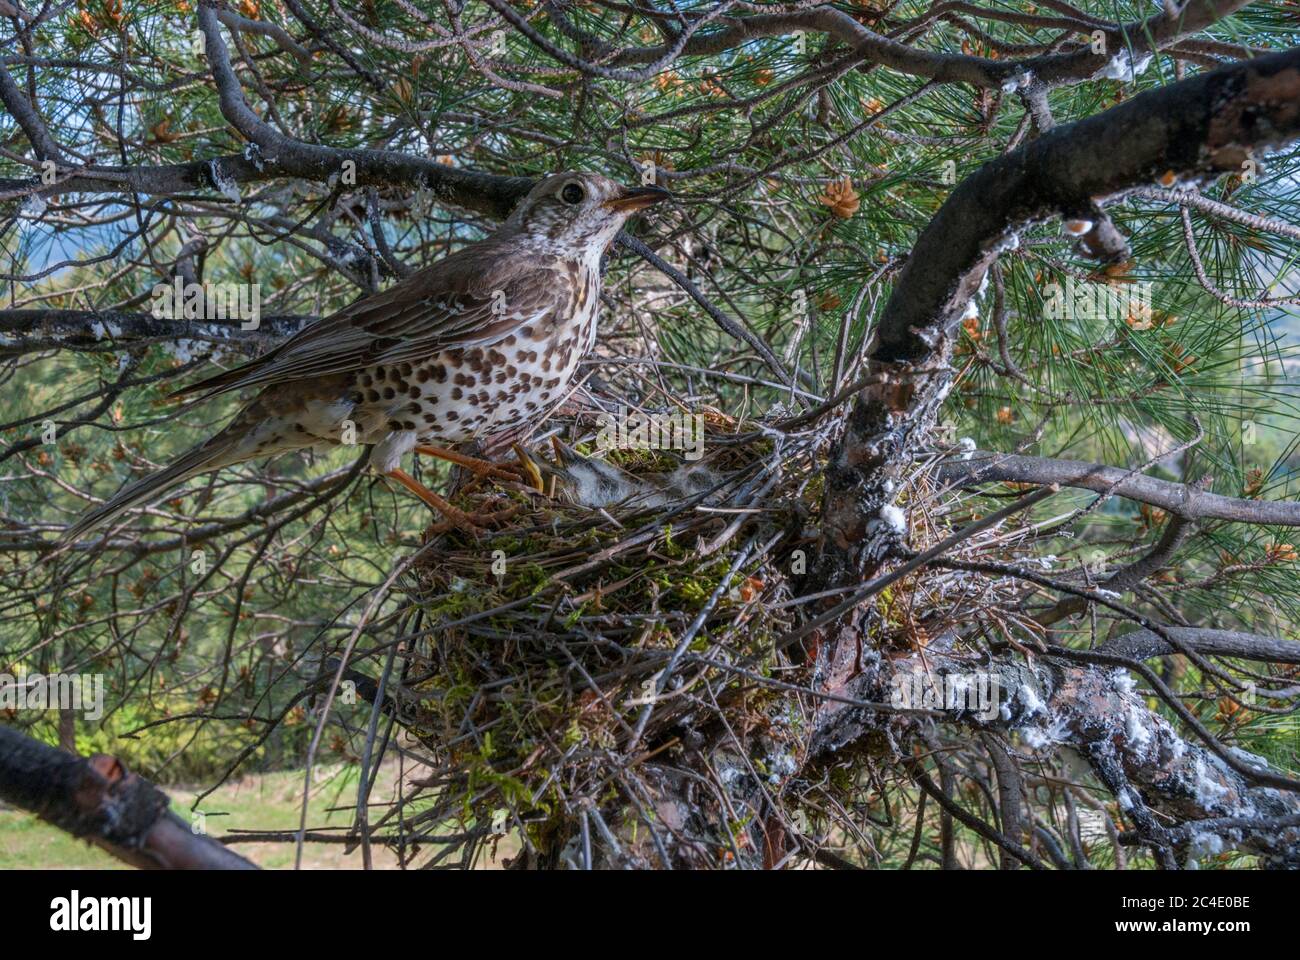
475,523
480,468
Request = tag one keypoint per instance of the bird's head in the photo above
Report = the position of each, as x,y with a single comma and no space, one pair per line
575,211
587,481
596,484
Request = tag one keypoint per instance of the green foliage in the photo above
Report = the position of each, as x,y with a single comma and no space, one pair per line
803,177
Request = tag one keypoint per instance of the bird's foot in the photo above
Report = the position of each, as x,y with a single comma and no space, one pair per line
525,471
474,523
479,467
455,517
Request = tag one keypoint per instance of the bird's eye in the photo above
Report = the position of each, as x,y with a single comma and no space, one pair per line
572,193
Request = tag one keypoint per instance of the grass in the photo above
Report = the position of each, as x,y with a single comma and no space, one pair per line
269,801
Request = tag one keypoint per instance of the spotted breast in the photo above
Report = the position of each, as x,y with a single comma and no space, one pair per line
467,394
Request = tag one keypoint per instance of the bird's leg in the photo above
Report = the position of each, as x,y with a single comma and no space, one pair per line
526,472
457,517
480,468
480,520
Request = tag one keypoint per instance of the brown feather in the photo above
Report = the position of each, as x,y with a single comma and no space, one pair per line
448,305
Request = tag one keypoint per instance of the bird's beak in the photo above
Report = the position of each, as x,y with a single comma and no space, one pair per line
632,199
565,455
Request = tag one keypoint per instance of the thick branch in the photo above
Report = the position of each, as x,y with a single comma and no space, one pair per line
1180,499
1198,128
22,331
97,799
1156,32
1195,128
1143,645
1096,710
24,111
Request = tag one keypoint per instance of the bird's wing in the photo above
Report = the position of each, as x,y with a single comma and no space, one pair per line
475,297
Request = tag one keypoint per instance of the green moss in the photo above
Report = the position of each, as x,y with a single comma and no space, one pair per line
551,708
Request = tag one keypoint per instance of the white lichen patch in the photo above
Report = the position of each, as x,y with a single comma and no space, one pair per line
1208,789
1123,67
729,775
894,518
780,766
1009,242
1056,730
1205,844
253,154
1017,81
185,350
1137,727
223,181
33,207
1037,726
1123,682
1249,759
1030,701
105,331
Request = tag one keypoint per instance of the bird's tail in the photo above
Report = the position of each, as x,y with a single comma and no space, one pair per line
209,455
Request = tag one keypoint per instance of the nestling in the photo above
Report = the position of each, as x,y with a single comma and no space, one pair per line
598,484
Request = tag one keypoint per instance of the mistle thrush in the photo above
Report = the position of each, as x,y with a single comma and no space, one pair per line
483,341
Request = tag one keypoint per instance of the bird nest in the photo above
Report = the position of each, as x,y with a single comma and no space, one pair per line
556,628
606,621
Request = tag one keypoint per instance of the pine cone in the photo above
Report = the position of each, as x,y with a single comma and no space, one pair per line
841,198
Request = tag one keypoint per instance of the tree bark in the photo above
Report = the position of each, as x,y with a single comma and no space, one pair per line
1198,129
97,799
